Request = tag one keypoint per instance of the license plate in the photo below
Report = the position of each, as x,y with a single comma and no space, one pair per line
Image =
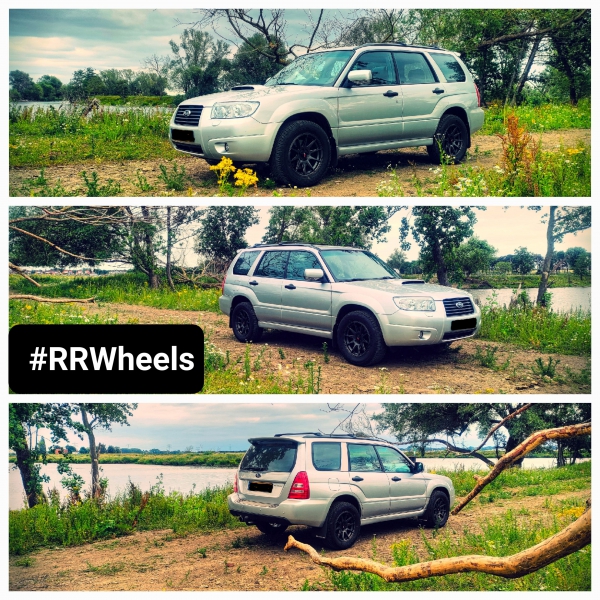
463,324
259,486
182,135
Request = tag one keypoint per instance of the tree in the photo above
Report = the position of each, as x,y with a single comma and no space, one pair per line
474,256
51,87
70,449
397,260
523,261
582,265
110,450
22,418
41,447
439,231
222,230
251,63
561,220
503,266
571,255
84,450
95,415
357,226
83,84
23,85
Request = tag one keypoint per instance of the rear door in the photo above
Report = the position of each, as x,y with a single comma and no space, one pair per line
407,489
421,93
368,480
305,303
266,282
266,469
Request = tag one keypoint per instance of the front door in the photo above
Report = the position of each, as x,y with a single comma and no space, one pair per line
368,480
305,303
371,113
407,489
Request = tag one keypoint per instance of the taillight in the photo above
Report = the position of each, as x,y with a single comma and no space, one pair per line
235,484
478,95
224,278
300,489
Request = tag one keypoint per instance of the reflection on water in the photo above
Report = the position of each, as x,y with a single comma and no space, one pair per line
563,299
184,479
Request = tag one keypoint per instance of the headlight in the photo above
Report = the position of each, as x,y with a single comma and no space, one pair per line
415,303
233,110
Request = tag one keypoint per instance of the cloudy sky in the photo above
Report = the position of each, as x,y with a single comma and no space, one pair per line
505,228
220,426
60,41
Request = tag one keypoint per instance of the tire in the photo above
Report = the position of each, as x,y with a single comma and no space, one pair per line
438,509
245,324
343,526
273,530
452,135
359,339
301,154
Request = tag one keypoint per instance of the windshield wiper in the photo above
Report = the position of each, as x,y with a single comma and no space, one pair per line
287,83
255,468
386,277
357,279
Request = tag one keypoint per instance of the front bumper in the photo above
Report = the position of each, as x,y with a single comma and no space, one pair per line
241,140
295,512
406,328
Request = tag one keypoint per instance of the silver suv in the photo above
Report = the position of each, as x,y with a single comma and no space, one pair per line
347,295
335,483
324,105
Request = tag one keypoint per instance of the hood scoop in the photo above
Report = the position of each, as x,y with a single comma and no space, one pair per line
412,281
238,88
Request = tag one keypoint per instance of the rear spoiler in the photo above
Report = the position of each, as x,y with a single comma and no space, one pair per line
281,441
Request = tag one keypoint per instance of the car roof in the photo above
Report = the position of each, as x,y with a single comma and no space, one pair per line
386,45
302,245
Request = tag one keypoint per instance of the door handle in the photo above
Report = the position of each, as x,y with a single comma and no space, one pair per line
396,479
438,91
290,286
253,282
357,478
390,94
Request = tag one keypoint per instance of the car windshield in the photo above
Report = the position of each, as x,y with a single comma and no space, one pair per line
356,265
319,68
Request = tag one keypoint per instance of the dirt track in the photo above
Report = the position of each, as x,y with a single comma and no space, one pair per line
355,175
406,370
243,559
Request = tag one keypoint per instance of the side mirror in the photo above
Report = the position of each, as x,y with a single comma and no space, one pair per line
313,274
419,468
363,77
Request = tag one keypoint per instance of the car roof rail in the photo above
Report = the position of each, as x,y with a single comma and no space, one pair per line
285,244
399,44
319,434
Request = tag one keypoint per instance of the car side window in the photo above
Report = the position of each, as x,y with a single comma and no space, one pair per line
272,264
449,66
381,66
413,68
298,262
363,458
392,461
327,456
244,262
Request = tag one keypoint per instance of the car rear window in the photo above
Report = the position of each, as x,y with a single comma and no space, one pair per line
327,456
276,457
449,66
244,263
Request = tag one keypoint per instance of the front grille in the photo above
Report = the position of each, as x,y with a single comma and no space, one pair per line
455,335
465,307
188,114
196,149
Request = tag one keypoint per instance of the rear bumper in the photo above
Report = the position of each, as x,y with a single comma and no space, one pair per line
476,117
291,512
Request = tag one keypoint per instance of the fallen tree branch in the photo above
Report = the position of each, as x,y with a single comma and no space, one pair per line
532,442
574,537
22,273
51,300
452,448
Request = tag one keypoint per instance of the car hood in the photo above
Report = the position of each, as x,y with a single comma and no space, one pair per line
398,288
247,93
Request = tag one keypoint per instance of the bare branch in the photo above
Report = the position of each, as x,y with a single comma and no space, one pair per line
52,300
22,273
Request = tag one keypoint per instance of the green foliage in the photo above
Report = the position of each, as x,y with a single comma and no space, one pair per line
94,189
523,261
175,179
545,369
487,357
166,101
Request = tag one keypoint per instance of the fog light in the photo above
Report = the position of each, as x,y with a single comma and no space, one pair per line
222,147
421,335
226,147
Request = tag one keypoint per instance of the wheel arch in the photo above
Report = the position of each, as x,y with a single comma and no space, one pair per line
461,113
238,299
346,498
348,308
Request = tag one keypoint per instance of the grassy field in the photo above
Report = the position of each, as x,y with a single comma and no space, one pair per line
512,281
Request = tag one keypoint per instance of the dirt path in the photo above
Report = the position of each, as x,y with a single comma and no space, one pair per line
404,370
242,559
355,175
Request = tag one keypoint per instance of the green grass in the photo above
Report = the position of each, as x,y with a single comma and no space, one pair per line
512,281
41,137
167,101
37,313
538,119
502,535
126,288
538,329
53,524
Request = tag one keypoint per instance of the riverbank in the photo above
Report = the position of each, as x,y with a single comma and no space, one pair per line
514,512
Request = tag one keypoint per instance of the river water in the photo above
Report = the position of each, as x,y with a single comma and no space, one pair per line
183,479
563,299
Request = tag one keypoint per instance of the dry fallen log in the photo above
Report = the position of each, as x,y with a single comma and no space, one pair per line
574,537
51,300
532,442
19,271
